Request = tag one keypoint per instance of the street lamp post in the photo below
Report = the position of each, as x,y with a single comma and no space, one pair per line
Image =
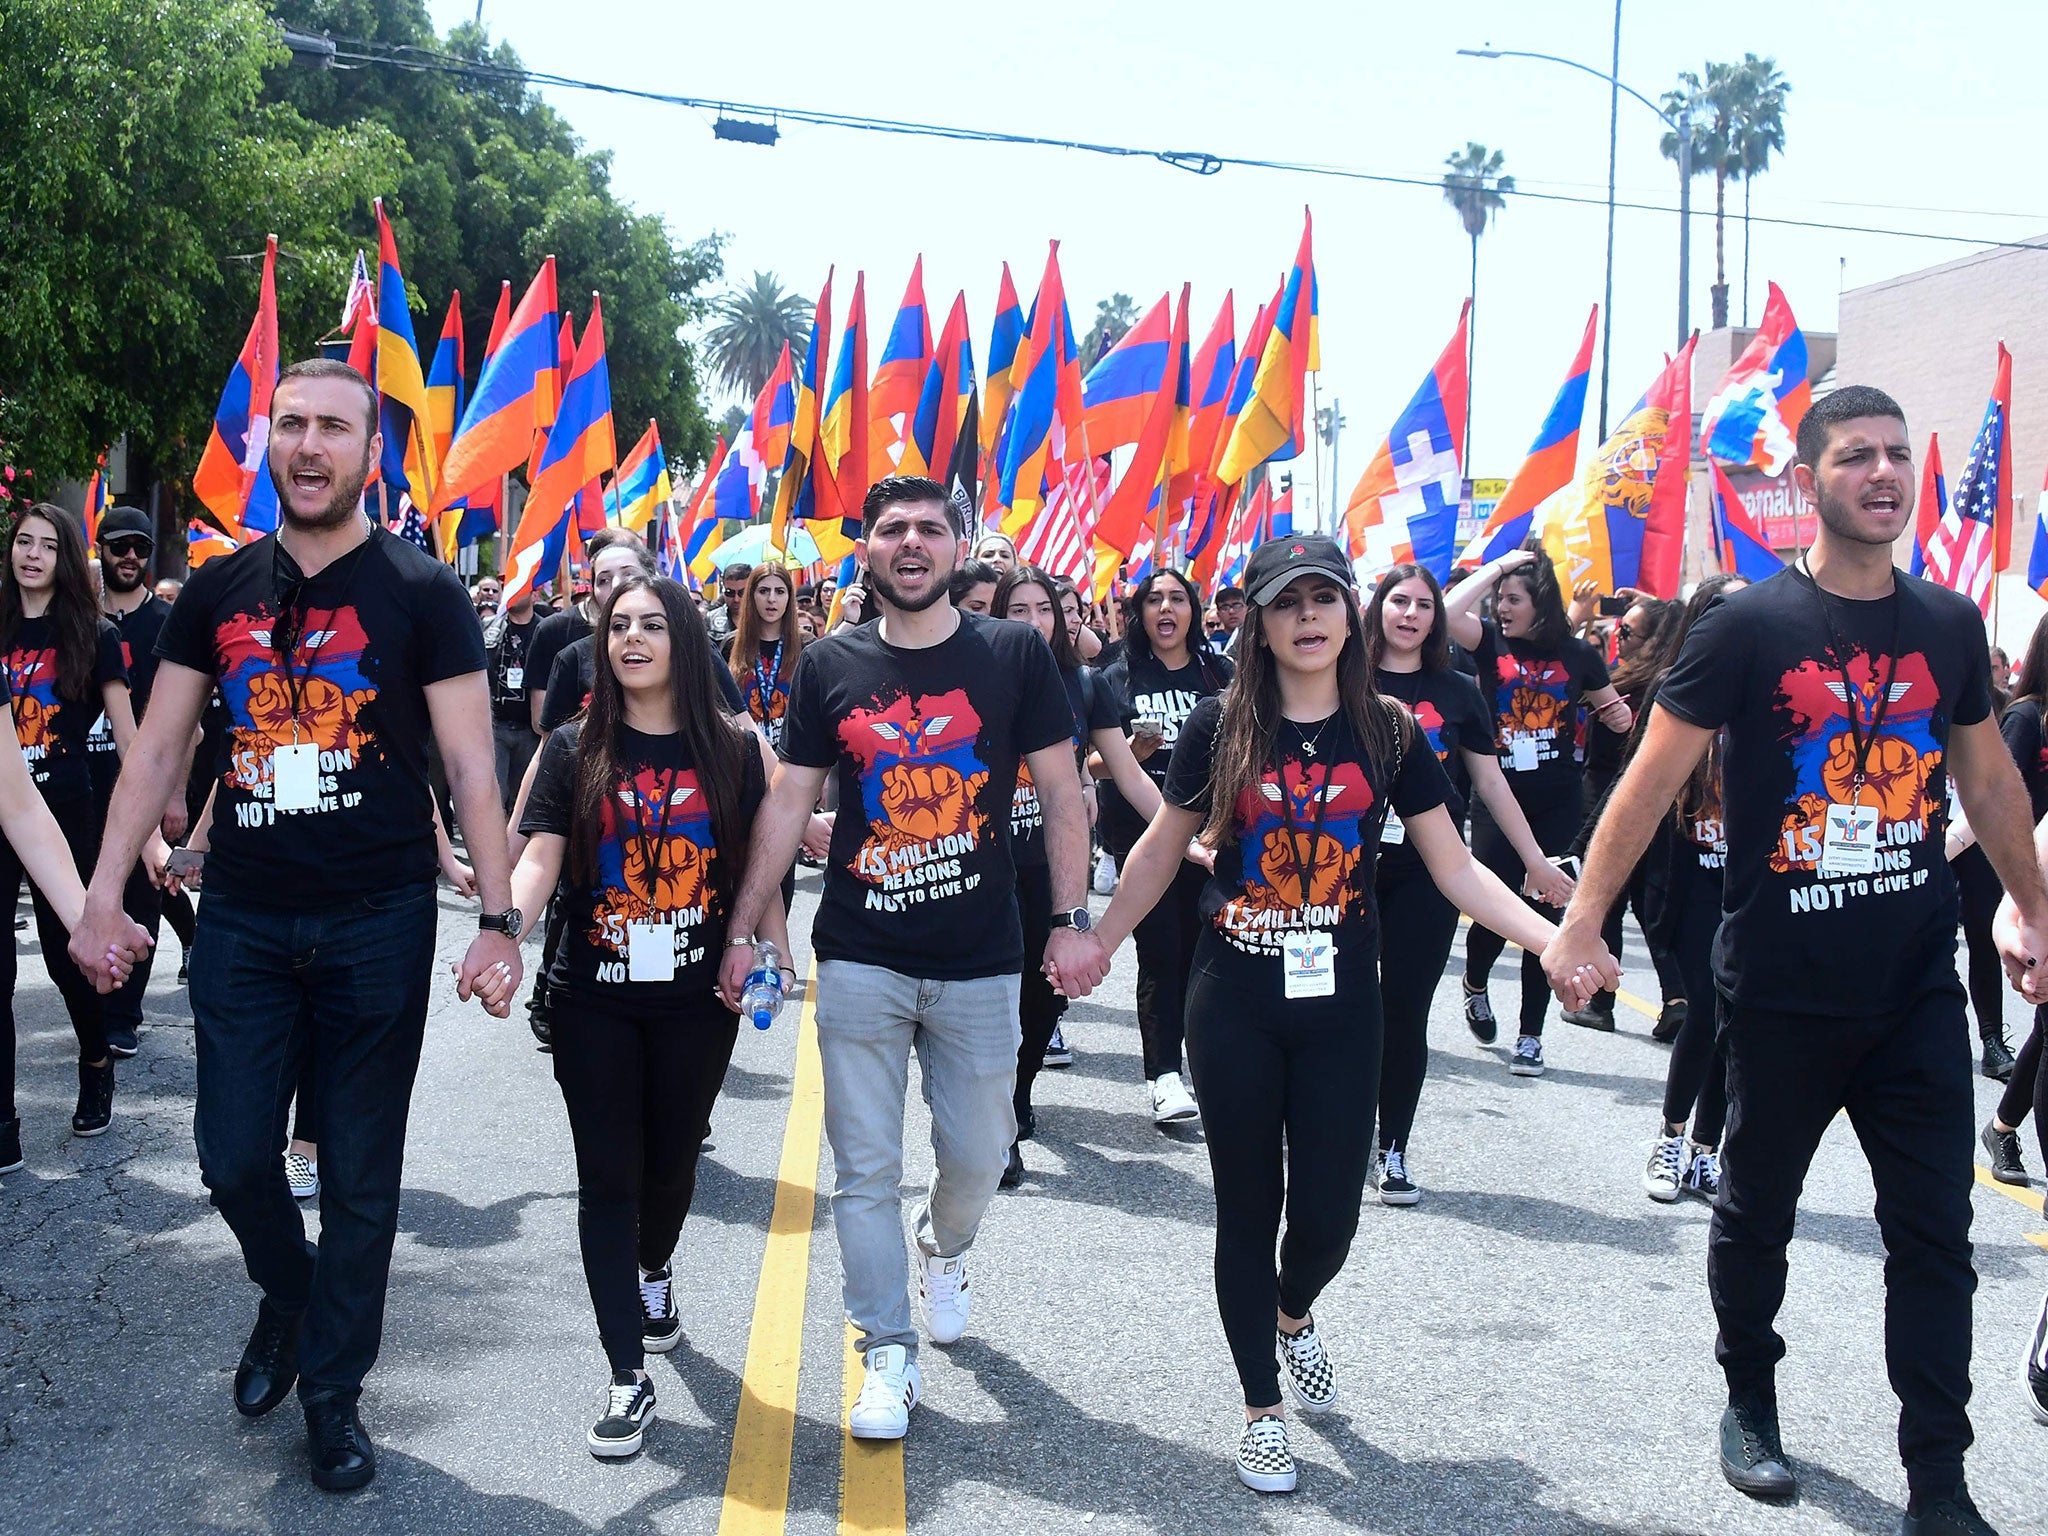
1682,127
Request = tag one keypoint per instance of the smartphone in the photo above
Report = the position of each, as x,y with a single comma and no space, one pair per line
1613,607
1569,863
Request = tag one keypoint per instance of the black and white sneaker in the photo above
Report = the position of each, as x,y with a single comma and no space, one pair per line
1311,1379
1264,1463
2004,1150
1665,1176
2036,1380
1390,1178
1479,1017
660,1326
1703,1171
121,1040
628,1410
1528,1057
1057,1052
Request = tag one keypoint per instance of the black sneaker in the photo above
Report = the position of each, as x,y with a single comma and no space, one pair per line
2004,1147
1057,1052
269,1364
1027,1123
1998,1058
10,1145
661,1326
1952,1514
1752,1459
2036,1380
1013,1170
95,1110
540,1019
1479,1017
1390,1178
121,1040
184,971
1670,1021
1597,1015
343,1457
628,1410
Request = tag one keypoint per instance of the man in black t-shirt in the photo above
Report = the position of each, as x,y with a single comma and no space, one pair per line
125,545
339,649
924,716
1851,696
508,640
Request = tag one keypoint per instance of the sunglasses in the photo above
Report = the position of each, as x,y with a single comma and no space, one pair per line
1623,632
126,548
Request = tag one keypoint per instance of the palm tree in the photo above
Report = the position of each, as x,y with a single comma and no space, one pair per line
1738,120
753,323
1473,185
1114,316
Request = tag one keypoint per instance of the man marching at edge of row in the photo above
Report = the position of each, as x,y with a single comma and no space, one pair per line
339,650
925,714
1850,694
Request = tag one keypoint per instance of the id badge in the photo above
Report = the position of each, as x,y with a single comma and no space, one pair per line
295,776
1849,844
1391,830
515,679
1522,752
650,952
1308,964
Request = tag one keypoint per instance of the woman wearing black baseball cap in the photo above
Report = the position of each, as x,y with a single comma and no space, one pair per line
1288,776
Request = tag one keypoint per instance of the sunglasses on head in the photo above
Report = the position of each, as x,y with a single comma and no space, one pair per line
124,548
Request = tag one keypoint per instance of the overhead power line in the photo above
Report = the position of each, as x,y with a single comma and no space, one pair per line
758,124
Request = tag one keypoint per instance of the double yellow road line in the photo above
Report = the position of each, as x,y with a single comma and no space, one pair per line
871,1496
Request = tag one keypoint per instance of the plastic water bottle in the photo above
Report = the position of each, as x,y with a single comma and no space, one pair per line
762,999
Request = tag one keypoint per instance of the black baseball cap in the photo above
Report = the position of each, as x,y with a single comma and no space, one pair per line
126,523
1278,561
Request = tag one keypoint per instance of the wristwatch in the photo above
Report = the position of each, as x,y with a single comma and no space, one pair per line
1078,920
508,922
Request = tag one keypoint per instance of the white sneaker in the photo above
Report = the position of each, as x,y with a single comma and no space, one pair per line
302,1175
1264,1463
1665,1175
887,1394
1171,1101
942,1293
1105,876
1310,1377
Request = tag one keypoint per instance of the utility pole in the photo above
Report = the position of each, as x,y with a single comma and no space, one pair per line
1613,132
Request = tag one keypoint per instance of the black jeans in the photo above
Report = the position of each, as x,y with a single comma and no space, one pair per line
1417,925
1905,1081
639,1089
1554,819
349,984
1980,893
1688,915
1165,939
1287,1091
81,999
1039,1007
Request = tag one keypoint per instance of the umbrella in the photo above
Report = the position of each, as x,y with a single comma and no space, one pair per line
750,547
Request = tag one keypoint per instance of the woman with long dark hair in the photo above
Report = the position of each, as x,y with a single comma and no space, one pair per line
64,669
765,646
1407,639
1537,678
1289,778
1165,669
1028,596
640,813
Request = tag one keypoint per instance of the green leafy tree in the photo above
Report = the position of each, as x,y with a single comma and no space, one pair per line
143,168
1474,187
752,324
1114,317
1737,122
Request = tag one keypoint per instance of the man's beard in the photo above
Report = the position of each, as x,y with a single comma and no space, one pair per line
1840,519
109,574
344,503
891,594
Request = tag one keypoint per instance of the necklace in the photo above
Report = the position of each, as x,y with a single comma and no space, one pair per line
1309,744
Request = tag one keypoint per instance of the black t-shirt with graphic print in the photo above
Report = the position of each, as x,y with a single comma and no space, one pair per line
657,861
510,645
1451,714
576,673
765,688
370,632
2026,739
1303,849
1760,663
1539,721
926,743
138,628
53,729
1094,710
1143,686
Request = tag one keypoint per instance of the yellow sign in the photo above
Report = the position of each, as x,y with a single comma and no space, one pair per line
1489,490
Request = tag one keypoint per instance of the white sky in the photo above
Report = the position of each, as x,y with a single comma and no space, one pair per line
1894,103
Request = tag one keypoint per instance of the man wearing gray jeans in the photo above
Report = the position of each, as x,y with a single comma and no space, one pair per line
925,716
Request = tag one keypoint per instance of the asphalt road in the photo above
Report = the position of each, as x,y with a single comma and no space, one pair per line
1529,1350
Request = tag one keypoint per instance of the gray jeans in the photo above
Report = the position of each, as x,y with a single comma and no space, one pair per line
965,1035
513,743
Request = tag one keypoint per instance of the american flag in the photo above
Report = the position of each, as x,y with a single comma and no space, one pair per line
412,528
1054,540
1964,548
362,298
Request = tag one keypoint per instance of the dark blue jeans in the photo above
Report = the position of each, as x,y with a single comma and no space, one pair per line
349,984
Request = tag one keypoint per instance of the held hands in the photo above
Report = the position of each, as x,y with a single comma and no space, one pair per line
490,972
1075,963
2021,945
106,945
1578,965
1549,885
818,836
